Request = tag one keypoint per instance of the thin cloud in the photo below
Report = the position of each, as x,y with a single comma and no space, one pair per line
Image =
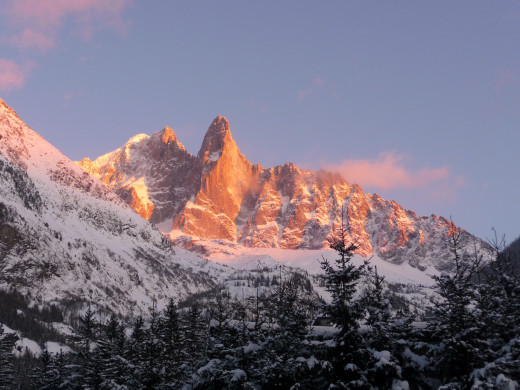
71,95
12,75
317,84
38,22
303,94
389,172
30,39
257,106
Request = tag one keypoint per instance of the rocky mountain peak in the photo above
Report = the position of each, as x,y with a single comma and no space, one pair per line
217,138
136,139
220,195
220,125
168,135
65,235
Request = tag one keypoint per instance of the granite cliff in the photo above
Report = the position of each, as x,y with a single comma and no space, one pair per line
219,194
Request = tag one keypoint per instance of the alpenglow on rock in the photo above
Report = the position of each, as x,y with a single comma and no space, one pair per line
219,194
66,238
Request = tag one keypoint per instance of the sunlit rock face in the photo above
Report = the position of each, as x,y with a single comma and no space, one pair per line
225,178
66,237
219,194
154,174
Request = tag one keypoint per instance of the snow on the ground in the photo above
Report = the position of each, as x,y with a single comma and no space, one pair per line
243,258
24,345
53,347
309,260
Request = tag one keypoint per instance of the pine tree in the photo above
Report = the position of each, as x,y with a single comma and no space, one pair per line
346,311
171,341
281,363
53,373
378,313
220,313
151,357
454,323
498,316
134,354
111,351
195,335
88,356
7,342
341,281
385,338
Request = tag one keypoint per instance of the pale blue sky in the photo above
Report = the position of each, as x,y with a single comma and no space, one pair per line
417,101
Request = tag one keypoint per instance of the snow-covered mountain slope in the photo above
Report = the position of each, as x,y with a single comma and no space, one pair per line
308,260
220,195
66,238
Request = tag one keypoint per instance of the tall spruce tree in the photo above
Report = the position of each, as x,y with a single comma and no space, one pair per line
111,352
346,311
7,342
341,280
53,375
152,371
171,341
454,323
89,362
134,354
196,335
498,316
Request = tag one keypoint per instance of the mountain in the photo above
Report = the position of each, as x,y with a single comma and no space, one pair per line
66,238
218,194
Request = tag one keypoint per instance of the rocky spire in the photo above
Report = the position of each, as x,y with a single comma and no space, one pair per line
216,139
168,135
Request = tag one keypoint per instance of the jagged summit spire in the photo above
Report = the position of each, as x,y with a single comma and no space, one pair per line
216,138
168,135
220,125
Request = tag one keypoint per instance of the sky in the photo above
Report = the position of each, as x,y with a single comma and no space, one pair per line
416,101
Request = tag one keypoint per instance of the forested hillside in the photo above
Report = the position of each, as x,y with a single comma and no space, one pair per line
366,337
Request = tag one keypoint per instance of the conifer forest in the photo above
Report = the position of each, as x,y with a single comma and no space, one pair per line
364,338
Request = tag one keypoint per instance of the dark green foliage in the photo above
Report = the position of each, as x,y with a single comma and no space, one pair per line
172,341
470,339
341,280
52,372
111,353
7,374
32,321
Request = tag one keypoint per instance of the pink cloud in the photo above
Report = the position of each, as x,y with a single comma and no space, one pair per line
388,172
29,38
41,20
318,82
12,75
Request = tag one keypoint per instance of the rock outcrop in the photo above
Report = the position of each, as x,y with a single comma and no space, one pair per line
219,194
66,237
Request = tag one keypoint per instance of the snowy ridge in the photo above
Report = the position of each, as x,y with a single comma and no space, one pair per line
67,239
308,260
220,195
